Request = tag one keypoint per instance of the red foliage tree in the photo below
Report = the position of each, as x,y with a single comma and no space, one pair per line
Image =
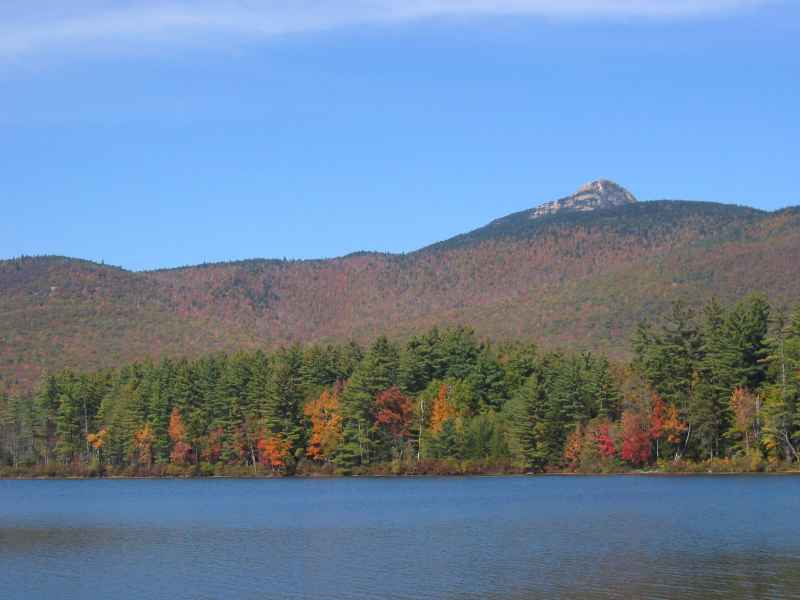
604,441
212,445
394,412
636,447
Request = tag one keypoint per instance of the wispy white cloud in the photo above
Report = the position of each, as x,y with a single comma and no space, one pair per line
36,26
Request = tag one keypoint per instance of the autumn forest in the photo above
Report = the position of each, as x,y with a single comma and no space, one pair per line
714,389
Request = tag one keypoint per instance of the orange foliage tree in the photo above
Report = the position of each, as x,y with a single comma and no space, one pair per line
326,425
574,447
97,440
177,433
442,410
274,451
674,428
746,408
143,444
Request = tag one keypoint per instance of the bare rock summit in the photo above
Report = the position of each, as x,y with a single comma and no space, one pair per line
592,196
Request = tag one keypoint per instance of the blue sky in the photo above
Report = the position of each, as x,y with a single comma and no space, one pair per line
155,134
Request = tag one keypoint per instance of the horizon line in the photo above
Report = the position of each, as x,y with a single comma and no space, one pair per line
101,262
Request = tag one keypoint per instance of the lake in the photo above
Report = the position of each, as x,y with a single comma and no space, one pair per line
504,538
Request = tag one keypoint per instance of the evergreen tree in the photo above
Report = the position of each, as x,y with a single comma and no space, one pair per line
283,411
487,380
69,419
782,396
715,379
16,430
232,391
422,361
448,442
377,372
668,360
605,394
46,409
527,415
154,390
520,361
320,368
123,412
459,353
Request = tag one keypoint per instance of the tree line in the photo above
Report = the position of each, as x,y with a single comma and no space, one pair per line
719,386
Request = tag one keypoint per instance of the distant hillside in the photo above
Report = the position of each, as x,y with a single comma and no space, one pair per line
581,271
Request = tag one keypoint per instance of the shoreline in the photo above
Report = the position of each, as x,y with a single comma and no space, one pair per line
791,472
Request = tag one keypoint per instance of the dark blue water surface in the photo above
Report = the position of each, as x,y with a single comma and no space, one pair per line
452,538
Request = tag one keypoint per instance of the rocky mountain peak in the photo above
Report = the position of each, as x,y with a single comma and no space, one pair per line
592,196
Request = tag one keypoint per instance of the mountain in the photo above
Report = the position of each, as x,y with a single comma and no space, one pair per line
580,271
592,196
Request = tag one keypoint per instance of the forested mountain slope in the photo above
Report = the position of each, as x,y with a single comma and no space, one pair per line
581,271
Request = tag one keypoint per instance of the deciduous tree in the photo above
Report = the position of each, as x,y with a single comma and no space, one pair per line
177,433
636,447
326,425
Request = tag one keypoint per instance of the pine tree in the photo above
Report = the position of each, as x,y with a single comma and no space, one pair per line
46,408
459,352
69,419
122,412
377,372
781,428
487,380
154,389
527,412
520,361
320,367
234,405
283,410
713,381
668,359
606,397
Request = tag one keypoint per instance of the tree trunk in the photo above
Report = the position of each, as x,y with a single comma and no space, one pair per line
421,424
790,446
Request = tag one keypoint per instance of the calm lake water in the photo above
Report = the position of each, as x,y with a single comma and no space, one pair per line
452,538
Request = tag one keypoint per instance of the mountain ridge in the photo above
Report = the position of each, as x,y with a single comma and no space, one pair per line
568,278
544,212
